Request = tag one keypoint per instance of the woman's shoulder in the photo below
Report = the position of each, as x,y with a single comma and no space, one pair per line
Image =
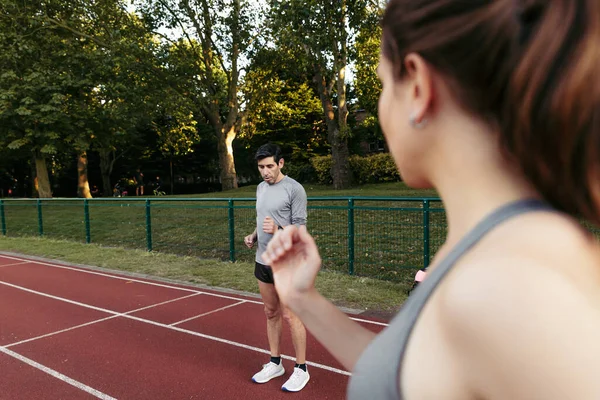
527,250
527,303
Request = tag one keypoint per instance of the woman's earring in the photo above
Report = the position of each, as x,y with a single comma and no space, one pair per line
417,125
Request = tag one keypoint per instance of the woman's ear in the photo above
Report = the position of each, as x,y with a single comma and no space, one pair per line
419,79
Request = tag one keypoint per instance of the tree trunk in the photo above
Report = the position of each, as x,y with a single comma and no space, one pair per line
43,180
33,179
106,165
226,135
340,170
337,138
83,185
171,173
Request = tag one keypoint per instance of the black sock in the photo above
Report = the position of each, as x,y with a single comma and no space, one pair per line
301,366
276,360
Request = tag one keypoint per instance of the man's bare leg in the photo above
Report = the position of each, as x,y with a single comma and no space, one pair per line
298,332
274,368
300,376
274,317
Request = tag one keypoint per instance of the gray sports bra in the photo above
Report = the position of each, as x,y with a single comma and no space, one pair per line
376,373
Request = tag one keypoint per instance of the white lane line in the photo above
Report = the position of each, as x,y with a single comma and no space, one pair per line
163,303
162,285
369,322
60,331
57,375
207,313
174,328
132,279
13,264
237,344
116,315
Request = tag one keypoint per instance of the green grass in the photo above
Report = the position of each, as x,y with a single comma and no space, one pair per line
359,293
388,235
388,189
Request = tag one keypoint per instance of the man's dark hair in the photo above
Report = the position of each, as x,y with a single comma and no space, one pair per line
269,150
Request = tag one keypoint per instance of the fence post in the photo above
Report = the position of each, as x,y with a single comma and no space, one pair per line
351,236
86,218
2,217
148,226
426,246
231,232
40,220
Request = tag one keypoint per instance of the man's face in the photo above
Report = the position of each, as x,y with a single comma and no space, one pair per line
270,170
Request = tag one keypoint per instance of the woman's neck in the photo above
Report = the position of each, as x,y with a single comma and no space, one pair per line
473,179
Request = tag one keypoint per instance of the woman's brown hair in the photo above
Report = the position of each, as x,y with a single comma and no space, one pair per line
529,67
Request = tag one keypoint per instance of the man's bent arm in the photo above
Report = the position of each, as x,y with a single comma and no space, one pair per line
299,204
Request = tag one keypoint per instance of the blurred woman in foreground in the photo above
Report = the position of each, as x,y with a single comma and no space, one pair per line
495,104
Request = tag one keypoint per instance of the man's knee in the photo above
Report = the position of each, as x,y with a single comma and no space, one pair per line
290,318
272,312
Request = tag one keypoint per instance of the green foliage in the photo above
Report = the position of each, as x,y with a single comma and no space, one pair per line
374,168
175,125
366,82
75,77
213,41
300,171
36,80
326,32
79,75
282,108
322,167
366,132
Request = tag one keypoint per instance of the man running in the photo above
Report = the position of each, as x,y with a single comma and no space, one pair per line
280,201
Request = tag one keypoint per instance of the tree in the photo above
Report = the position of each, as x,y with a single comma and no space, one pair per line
35,85
61,78
177,132
325,30
283,108
319,28
366,82
215,36
118,59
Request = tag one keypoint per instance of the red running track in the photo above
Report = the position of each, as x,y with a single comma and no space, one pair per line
68,332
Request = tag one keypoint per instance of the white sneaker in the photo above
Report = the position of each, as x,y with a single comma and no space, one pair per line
297,381
268,372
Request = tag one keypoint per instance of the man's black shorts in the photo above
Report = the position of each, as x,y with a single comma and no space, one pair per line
263,273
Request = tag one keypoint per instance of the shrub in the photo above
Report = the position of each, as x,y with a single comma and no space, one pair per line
375,168
303,172
322,167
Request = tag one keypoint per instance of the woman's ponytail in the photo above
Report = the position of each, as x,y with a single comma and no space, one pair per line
552,116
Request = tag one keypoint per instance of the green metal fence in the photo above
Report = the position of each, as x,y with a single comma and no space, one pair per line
382,237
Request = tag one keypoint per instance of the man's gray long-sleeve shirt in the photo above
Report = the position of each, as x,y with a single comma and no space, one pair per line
285,202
